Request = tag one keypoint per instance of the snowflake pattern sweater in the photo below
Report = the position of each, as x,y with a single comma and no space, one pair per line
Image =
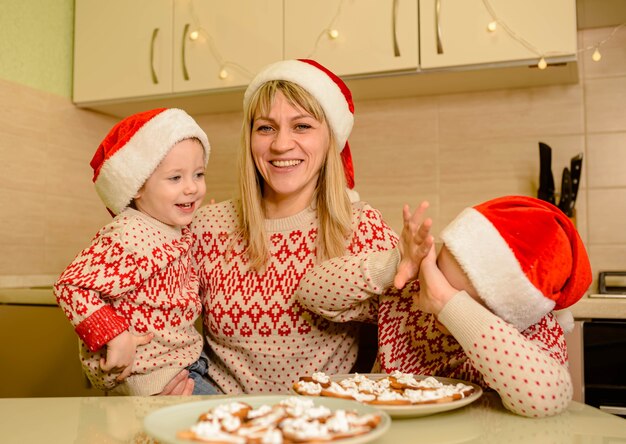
260,338
137,276
528,369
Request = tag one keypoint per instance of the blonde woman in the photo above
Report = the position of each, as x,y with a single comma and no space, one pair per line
296,209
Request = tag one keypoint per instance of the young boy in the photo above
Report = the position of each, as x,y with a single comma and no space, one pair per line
132,295
483,309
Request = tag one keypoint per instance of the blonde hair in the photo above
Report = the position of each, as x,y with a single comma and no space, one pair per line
332,203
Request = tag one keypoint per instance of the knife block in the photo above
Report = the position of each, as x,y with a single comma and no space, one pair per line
573,218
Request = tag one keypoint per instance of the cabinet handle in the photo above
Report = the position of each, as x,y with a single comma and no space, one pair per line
394,17
185,73
155,79
438,25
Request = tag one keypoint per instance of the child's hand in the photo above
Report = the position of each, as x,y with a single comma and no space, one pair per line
435,290
120,354
415,243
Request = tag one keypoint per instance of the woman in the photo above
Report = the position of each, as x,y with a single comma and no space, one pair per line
296,209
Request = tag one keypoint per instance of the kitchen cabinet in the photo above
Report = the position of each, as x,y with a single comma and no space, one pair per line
126,49
454,33
132,55
122,49
354,37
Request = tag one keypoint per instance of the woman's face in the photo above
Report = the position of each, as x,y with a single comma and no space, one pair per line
289,147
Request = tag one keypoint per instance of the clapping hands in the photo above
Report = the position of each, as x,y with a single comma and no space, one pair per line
415,243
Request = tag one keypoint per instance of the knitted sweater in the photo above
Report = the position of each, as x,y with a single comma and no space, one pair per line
528,369
137,276
261,339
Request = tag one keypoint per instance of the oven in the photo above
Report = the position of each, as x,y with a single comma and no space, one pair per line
604,364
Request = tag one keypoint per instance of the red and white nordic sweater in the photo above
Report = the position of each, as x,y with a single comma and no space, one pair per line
528,369
137,276
261,339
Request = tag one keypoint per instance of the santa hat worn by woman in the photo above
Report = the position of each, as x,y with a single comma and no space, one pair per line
329,90
523,256
133,149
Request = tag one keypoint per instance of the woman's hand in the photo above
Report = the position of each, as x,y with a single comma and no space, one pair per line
120,354
415,243
435,290
180,385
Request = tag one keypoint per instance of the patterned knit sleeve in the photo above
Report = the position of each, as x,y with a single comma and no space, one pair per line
527,369
346,288
100,273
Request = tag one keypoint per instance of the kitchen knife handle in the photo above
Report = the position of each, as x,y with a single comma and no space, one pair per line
438,26
394,30
155,79
182,52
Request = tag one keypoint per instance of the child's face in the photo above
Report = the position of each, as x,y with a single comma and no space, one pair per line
176,188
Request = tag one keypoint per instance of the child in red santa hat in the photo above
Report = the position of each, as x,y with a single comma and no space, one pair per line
483,308
132,295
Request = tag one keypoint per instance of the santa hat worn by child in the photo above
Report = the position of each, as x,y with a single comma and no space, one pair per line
523,256
133,149
328,89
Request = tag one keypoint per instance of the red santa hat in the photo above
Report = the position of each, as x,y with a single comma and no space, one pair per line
328,89
133,149
523,256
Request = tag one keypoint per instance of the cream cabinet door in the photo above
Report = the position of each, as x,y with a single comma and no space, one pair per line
353,36
122,49
455,33
223,44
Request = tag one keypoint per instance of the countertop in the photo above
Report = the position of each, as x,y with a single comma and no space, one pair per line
120,419
590,306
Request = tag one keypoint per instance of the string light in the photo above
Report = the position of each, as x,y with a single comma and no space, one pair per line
333,34
492,26
199,31
596,56
331,31
542,63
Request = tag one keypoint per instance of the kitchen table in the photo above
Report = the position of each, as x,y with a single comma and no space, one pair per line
119,420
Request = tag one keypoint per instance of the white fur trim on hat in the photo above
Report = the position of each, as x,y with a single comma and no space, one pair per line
124,173
498,277
318,84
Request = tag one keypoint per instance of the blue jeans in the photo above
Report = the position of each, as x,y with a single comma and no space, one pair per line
199,372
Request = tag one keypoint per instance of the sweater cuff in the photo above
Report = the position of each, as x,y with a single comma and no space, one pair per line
100,327
465,318
382,267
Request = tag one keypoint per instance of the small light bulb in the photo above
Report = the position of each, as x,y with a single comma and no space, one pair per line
223,73
333,34
542,64
596,56
193,35
491,27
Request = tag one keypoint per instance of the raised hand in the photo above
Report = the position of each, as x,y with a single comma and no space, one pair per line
415,243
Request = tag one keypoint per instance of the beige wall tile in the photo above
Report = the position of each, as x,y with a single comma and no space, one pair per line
606,215
507,114
605,104
606,160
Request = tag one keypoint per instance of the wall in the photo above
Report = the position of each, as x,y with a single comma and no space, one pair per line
36,44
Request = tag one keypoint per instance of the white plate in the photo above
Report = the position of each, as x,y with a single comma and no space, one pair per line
163,424
404,411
